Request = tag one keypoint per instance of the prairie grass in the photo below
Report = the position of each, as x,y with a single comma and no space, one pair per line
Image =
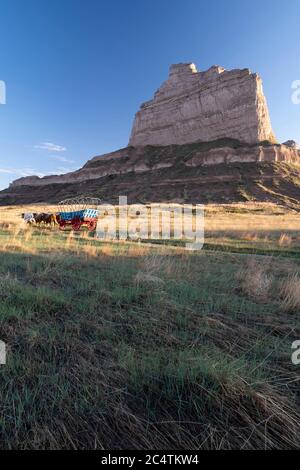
255,279
285,240
129,346
290,293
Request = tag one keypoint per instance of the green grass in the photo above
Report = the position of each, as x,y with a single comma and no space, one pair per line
128,346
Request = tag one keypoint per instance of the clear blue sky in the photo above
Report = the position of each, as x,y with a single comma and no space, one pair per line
76,71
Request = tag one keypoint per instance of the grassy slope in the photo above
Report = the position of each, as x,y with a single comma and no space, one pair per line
127,346
224,183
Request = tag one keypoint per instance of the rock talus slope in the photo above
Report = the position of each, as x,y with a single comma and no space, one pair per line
139,160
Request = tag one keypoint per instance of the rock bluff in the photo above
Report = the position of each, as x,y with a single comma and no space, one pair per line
193,106
196,120
137,160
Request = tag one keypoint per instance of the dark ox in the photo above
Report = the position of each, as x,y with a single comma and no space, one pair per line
44,218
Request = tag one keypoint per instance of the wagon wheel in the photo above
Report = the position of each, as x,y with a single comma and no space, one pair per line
76,224
62,224
92,225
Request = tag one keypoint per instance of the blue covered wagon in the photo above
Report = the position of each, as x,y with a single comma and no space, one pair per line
78,212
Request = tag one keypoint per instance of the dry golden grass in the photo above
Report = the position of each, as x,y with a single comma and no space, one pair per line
91,251
252,219
255,223
251,237
290,294
285,240
255,279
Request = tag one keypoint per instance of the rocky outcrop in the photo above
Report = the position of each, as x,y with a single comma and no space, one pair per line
196,106
198,123
191,183
145,159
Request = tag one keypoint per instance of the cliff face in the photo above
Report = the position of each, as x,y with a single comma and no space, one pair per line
176,181
137,160
198,123
196,106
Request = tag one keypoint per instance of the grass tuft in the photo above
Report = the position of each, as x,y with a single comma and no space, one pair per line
290,294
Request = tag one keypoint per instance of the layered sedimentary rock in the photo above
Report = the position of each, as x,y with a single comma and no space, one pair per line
198,123
194,106
193,173
142,159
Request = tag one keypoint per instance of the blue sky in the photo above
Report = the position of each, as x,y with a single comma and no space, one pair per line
76,71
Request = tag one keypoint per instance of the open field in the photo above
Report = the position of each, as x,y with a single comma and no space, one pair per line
259,228
124,345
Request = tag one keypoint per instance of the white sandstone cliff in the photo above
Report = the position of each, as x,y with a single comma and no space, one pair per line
191,107
196,106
